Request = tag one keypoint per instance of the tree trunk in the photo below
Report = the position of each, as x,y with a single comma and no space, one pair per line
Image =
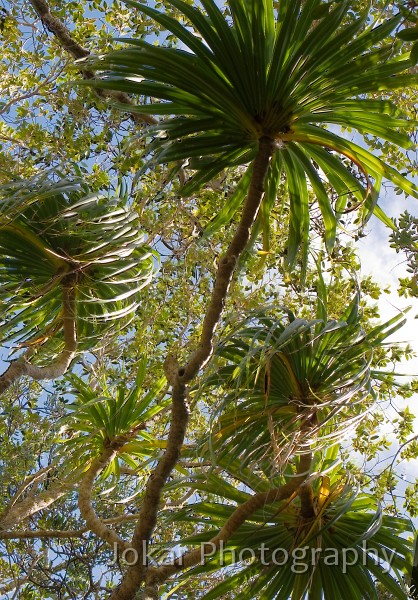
135,575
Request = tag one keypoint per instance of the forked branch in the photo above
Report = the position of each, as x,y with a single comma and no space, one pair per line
135,574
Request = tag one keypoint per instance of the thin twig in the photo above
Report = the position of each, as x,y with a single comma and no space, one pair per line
66,40
54,73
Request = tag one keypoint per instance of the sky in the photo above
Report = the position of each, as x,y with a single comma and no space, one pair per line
386,266
382,262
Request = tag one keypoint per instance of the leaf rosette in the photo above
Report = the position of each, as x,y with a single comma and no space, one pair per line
58,238
292,385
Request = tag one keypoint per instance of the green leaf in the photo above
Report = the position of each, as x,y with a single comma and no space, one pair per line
409,34
231,205
53,234
414,53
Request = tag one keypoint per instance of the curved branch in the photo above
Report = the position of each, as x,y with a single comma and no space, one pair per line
238,517
63,35
85,504
21,367
285,492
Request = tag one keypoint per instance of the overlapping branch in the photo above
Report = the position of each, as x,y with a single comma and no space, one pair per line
70,45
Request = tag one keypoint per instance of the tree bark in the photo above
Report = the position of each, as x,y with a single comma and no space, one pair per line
33,504
85,495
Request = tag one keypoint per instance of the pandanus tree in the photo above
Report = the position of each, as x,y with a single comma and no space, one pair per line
72,265
280,514
268,86
296,539
295,388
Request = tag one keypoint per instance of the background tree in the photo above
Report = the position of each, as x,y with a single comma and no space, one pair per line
96,437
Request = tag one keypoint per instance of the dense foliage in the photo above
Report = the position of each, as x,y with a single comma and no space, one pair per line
197,382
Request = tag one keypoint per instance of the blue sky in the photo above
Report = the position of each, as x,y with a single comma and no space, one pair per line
386,266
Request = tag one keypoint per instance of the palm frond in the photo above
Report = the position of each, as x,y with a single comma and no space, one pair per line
56,233
99,416
291,385
271,69
340,551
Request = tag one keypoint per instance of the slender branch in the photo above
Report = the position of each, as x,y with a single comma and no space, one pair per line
238,517
64,533
86,488
11,140
63,35
46,534
16,583
181,501
21,367
135,574
155,484
13,585
228,261
30,480
33,504
54,74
